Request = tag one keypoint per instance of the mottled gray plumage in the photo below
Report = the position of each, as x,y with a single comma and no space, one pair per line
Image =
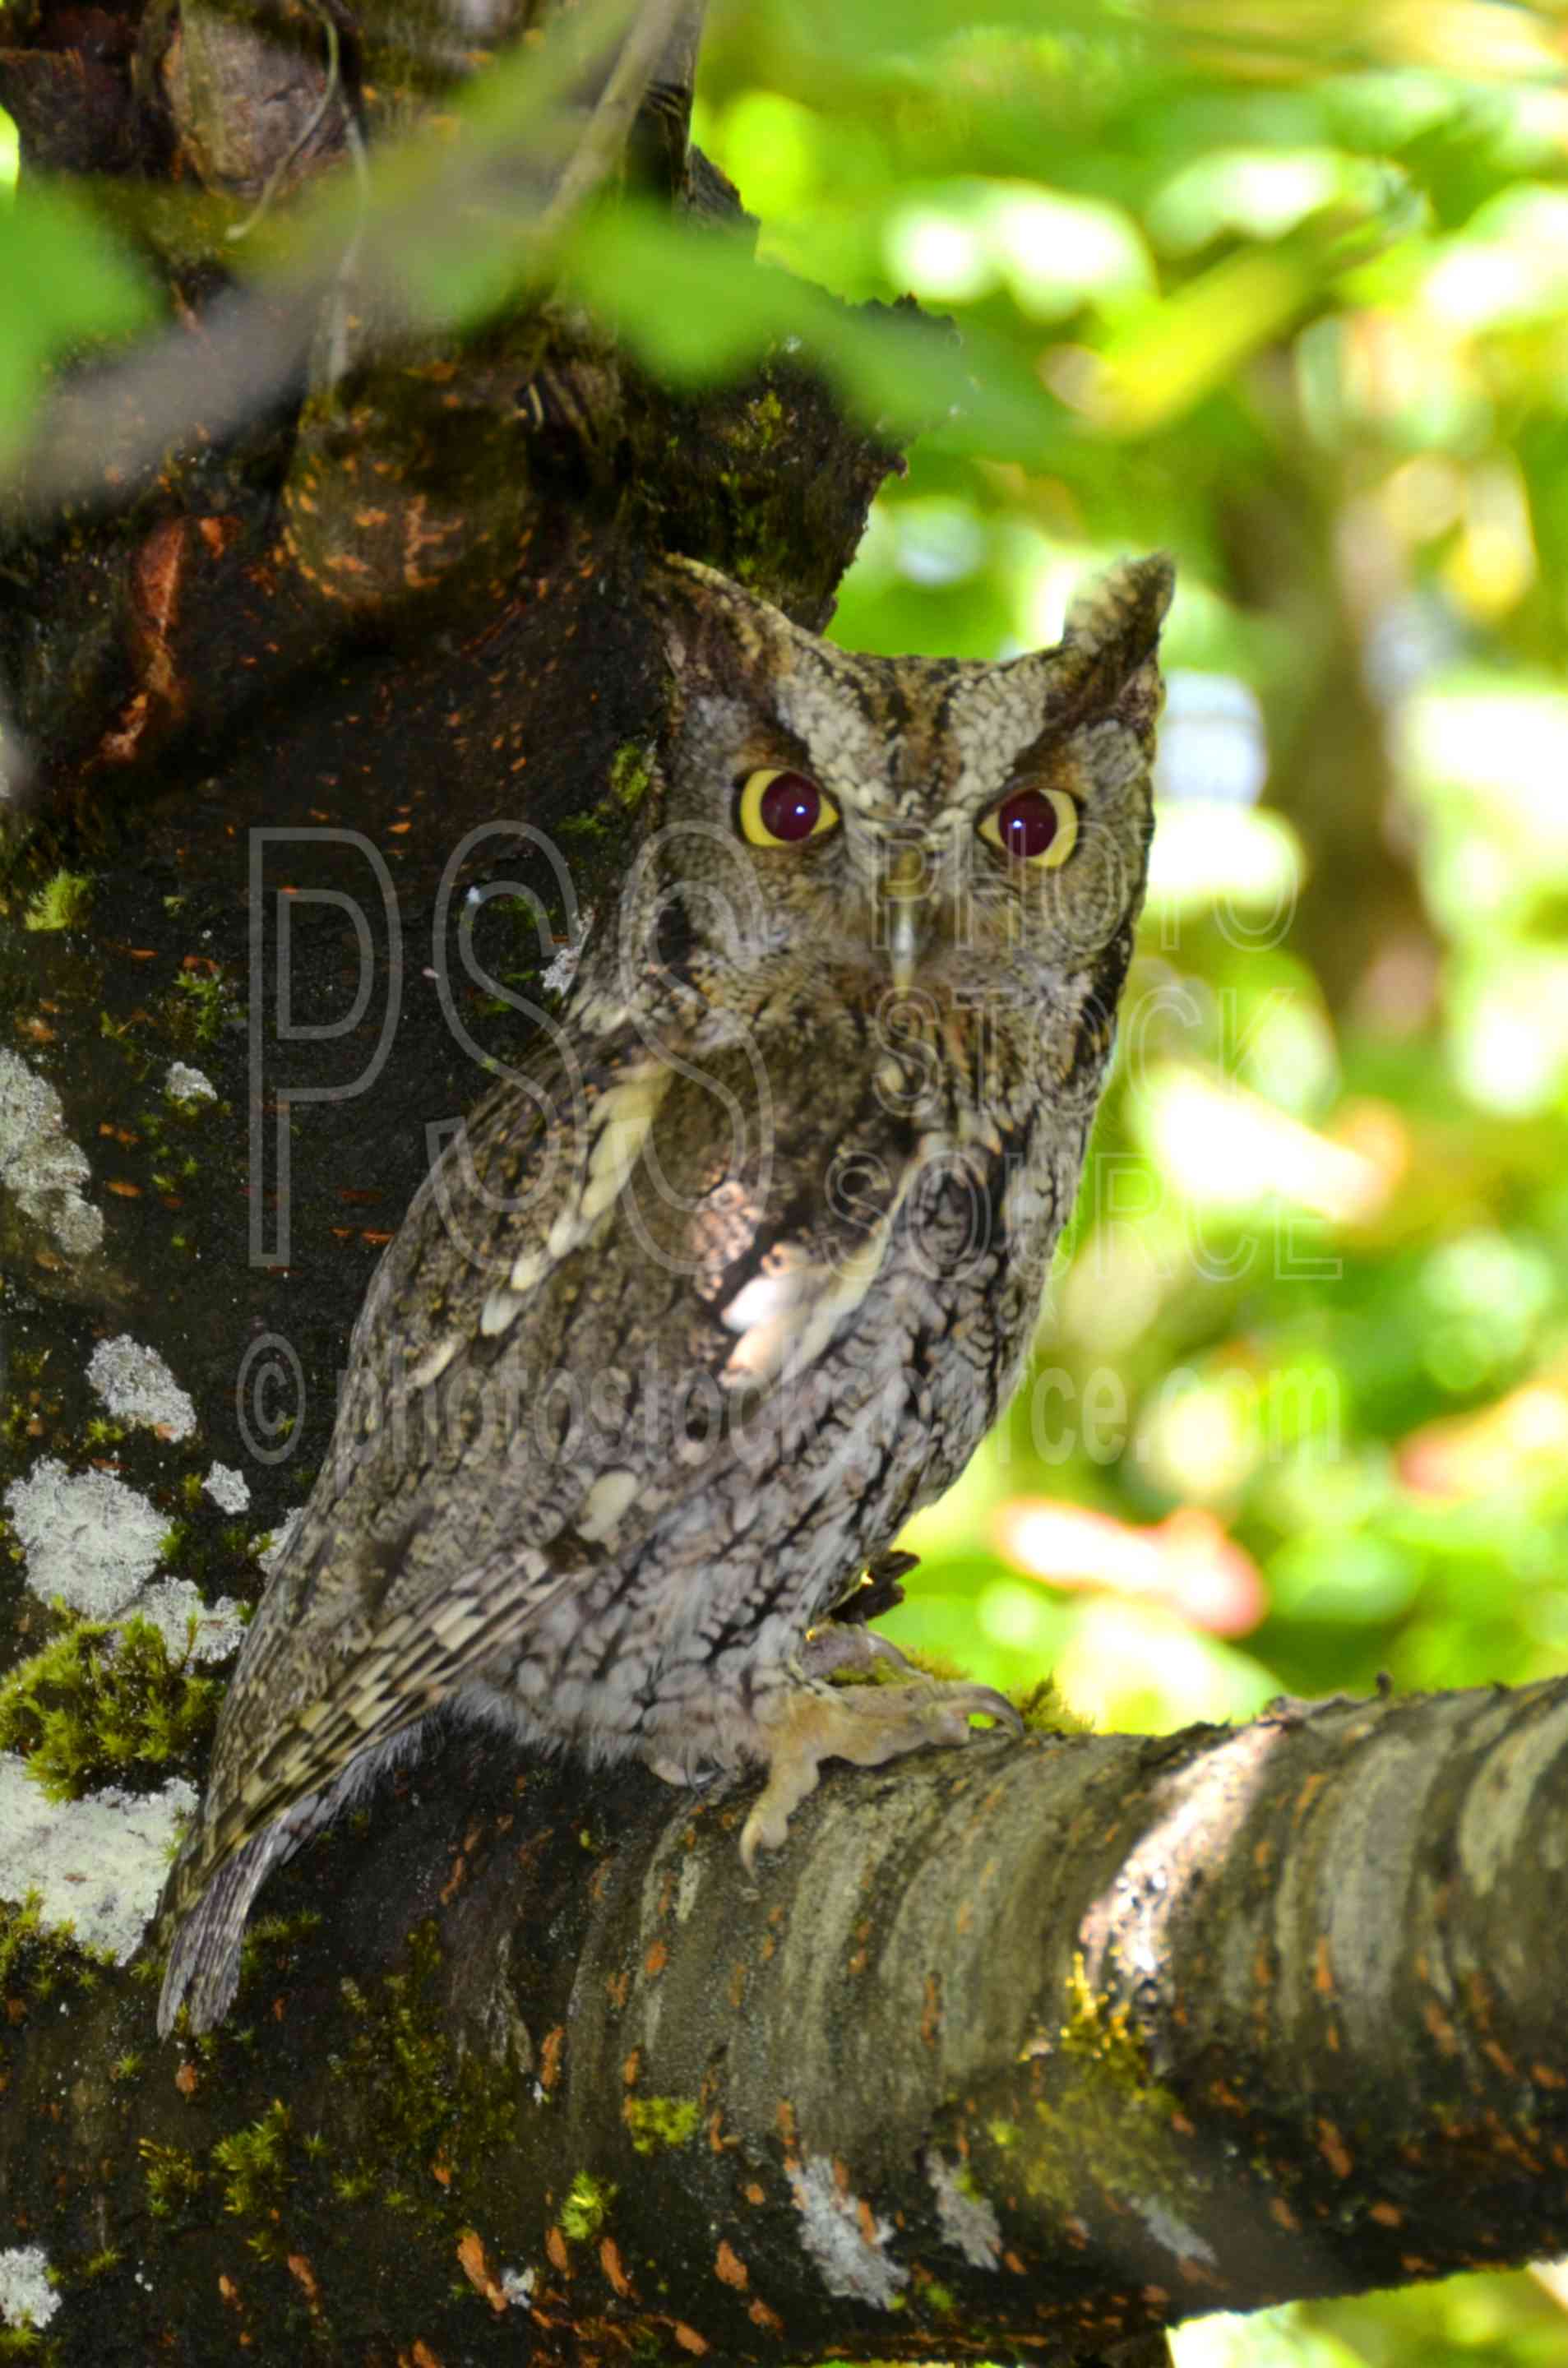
686,1322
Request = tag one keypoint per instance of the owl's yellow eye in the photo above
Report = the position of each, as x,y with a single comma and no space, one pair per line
783,809
1039,828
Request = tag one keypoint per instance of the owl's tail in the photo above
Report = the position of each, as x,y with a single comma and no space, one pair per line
203,1971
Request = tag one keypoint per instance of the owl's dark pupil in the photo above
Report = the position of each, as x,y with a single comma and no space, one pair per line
790,806
1027,824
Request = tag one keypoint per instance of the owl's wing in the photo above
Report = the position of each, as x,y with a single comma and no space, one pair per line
698,1224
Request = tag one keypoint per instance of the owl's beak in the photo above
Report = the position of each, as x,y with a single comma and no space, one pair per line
904,906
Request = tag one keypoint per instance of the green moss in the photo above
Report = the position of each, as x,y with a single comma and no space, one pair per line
414,2101
198,1005
1045,1711
629,774
62,903
656,2122
586,2207
1104,2108
173,2177
268,1936
102,1698
252,2165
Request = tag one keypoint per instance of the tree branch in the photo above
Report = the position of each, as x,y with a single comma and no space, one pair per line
1014,2052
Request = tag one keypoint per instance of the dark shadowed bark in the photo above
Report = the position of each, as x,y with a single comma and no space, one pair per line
1018,2053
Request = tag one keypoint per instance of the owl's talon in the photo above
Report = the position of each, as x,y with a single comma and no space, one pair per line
865,1725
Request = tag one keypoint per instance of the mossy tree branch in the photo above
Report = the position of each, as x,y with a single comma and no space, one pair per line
1016,2053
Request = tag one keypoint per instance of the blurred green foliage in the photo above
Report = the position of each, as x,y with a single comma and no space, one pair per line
1283,288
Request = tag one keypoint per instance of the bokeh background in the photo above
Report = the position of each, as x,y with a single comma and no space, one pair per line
1284,288
1289,286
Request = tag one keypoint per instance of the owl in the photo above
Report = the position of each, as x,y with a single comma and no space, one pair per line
734,1273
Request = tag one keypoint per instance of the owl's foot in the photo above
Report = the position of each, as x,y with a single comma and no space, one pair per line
867,1724
835,1648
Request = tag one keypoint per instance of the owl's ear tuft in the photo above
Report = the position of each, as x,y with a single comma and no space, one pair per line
1108,659
1123,610
702,616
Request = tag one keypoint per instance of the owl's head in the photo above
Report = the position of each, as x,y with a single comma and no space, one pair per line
906,823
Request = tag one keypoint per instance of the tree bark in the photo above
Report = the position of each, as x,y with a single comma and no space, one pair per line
1018,2053
1014,2053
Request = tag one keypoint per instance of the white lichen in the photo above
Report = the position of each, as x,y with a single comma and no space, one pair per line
966,2219
94,1544
136,1385
99,1862
517,2285
43,1170
171,1604
282,1539
563,964
26,2298
184,1084
830,2228
228,1489
89,1539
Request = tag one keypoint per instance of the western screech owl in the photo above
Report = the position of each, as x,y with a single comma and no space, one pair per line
700,1306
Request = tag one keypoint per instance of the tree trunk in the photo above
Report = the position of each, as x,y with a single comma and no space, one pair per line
316,637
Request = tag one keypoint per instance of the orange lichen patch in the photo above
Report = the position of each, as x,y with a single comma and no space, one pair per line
687,2338
1279,2210
657,1958
1332,2148
1263,1967
760,2316
867,2220
631,2070
377,1240
229,2290
1322,1966
1501,2057
304,2277
1156,2298
755,2194
729,2267
421,2356
614,2269
555,2247
1182,2127
1545,2077
123,1187
120,1134
441,2171
616,1987
1417,2266
187,2080
550,2056
965,1917
786,2119
1011,2261
218,533
737,1987
1388,2215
